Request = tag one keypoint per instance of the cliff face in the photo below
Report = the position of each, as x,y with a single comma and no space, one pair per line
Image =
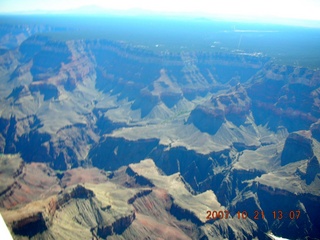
13,35
284,95
23,183
233,106
126,206
87,211
315,130
139,84
116,227
30,226
298,146
313,169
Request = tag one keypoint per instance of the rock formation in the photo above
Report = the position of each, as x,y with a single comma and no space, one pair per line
226,131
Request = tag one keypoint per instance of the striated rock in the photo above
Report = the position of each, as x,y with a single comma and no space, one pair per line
86,210
78,192
289,189
81,192
298,146
68,146
117,227
13,34
139,195
178,189
183,213
82,176
11,167
107,209
288,202
161,85
23,183
214,122
285,95
32,219
141,180
49,59
233,106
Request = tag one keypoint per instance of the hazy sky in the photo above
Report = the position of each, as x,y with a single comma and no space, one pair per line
287,9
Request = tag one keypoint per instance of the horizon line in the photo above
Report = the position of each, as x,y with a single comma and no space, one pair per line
308,23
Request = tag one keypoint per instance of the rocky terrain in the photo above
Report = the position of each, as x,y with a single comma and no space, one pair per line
106,139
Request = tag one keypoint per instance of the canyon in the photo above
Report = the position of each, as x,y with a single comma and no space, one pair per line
108,139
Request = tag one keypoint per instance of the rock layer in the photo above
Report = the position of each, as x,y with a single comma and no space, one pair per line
231,130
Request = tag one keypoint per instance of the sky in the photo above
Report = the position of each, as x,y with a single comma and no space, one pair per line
253,9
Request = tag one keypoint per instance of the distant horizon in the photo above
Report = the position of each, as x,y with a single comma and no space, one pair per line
157,15
272,11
